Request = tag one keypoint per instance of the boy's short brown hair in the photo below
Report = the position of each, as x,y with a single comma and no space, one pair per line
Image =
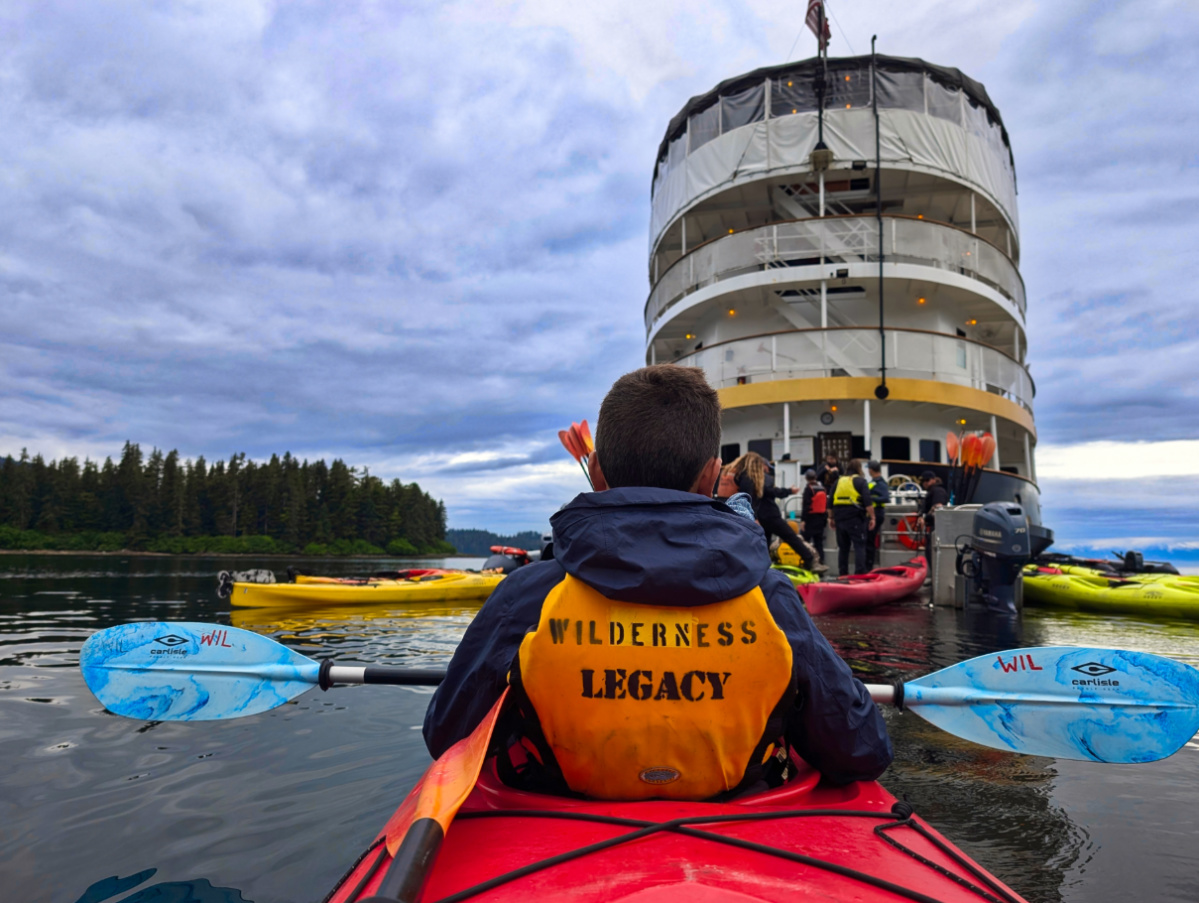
658,426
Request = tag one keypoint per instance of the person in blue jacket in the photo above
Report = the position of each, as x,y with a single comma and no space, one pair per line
658,655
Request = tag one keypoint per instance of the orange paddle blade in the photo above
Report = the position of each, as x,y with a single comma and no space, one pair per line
970,449
988,449
951,446
568,444
576,434
446,783
585,432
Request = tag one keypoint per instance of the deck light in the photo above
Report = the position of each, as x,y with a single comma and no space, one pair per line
688,336
972,322
962,422
730,231
732,312
919,216
847,78
919,300
832,407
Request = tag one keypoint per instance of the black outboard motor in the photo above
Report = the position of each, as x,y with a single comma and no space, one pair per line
506,559
999,547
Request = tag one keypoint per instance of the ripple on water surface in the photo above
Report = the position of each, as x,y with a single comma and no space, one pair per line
274,807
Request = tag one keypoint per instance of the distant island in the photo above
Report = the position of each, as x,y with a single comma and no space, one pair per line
479,542
162,503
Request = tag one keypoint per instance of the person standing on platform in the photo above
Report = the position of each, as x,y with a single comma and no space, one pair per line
814,512
829,472
935,496
853,518
880,495
759,485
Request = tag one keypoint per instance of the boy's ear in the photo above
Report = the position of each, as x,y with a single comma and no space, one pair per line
598,483
705,484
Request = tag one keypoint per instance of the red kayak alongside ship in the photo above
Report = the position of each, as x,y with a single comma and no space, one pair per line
801,841
878,587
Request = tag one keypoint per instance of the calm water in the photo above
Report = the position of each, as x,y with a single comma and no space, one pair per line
274,807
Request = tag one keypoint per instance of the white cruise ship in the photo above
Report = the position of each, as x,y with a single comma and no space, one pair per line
849,280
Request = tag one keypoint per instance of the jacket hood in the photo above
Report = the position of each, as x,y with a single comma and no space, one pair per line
659,546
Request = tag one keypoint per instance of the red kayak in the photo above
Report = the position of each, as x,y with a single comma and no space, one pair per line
801,841
880,586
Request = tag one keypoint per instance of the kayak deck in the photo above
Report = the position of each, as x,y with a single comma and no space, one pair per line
801,841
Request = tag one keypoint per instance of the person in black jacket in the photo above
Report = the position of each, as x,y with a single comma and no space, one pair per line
935,496
880,496
651,539
756,480
814,512
853,517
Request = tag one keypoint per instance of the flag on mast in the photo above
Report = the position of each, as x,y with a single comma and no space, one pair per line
817,20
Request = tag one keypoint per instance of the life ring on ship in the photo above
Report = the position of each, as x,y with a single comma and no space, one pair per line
909,533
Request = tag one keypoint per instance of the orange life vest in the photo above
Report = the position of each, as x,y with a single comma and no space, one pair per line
639,702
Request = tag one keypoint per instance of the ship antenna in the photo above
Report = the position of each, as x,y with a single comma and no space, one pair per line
880,391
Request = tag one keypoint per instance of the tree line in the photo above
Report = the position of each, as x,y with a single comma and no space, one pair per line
163,503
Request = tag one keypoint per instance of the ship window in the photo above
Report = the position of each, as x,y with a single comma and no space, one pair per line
901,90
897,448
848,89
930,450
704,126
961,350
742,108
943,102
730,453
976,118
678,150
764,447
792,94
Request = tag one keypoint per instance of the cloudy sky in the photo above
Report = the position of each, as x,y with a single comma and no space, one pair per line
413,235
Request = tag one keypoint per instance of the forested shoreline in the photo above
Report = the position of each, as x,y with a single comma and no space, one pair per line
163,503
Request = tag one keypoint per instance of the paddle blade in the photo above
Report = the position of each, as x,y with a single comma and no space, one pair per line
969,448
585,435
951,446
568,442
1100,705
178,671
576,436
988,449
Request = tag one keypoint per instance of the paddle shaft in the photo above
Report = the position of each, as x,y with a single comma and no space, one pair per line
883,694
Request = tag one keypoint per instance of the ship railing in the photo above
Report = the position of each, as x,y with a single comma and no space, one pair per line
853,351
836,239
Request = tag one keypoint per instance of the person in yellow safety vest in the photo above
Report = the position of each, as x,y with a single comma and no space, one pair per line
880,495
853,518
657,655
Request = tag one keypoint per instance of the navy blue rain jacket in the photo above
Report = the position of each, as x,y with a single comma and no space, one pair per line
663,547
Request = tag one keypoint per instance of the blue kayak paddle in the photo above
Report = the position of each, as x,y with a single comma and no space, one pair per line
1100,705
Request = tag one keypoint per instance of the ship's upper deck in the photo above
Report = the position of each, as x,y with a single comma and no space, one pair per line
934,123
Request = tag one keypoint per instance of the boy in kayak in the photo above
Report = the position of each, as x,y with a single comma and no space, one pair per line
658,655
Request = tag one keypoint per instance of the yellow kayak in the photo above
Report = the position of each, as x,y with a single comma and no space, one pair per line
1168,595
457,587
